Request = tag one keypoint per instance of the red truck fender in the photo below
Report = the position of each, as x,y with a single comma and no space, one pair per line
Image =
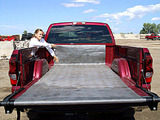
121,67
40,68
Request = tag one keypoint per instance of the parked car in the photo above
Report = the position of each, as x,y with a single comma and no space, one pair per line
153,36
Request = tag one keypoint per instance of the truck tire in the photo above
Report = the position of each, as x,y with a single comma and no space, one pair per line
129,115
112,116
32,116
43,116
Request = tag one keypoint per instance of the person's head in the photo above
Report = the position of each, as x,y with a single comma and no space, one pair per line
38,34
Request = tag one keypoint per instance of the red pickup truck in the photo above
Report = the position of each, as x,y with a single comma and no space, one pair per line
95,78
153,36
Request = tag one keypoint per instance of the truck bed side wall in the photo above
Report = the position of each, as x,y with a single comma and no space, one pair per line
27,63
109,55
134,57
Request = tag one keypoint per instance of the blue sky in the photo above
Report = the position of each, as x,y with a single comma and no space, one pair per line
123,16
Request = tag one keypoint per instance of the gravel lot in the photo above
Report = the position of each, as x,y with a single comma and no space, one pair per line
154,48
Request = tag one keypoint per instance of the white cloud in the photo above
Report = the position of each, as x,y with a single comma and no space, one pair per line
72,5
107,20
155,19
114,29
88,1
89,10
132,13
140,11
8,27
118,22
80,3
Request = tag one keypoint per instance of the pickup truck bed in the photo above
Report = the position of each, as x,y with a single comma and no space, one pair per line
78,84
81,79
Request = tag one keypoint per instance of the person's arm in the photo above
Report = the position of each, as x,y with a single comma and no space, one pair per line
52,45
53,54
51,51
56,59
36,43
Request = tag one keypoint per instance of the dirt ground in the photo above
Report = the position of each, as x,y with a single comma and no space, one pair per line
146,114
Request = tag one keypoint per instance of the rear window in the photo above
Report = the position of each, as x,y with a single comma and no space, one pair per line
79,34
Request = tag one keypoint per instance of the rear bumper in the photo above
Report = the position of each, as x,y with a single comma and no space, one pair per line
83,106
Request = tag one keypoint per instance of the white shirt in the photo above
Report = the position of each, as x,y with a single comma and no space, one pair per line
34,42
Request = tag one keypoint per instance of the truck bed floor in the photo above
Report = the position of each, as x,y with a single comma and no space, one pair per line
70,84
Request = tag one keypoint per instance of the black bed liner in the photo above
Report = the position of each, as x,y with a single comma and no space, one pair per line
78,84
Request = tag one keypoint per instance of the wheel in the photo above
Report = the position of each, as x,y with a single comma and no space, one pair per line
129,115
33,116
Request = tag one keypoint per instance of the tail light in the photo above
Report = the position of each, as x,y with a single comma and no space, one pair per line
13,68
148,68
78,23
149,73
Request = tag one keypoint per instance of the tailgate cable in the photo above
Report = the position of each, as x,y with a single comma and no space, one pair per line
144,79
17,80
18,111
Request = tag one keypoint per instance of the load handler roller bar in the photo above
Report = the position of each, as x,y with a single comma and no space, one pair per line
79,84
